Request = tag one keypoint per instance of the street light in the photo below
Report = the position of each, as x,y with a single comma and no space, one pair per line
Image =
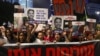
98,15
97,12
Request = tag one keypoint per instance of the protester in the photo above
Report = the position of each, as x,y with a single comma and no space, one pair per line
49,36
10,36
21,37
28,34
57,37
40,37
90,36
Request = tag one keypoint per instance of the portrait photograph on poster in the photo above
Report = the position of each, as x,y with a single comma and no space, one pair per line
37,15
29,15
57,23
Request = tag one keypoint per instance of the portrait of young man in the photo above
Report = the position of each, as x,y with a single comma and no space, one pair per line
29,16
57,23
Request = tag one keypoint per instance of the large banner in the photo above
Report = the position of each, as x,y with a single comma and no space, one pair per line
86,48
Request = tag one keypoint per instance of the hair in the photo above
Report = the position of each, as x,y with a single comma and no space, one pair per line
57,18
30,10
40,32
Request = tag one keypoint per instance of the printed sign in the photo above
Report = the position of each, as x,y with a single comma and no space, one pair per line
70,18
91,20
78,23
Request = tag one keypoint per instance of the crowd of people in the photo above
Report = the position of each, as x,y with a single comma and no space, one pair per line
28,34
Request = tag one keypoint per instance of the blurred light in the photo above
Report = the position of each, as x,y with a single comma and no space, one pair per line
97,12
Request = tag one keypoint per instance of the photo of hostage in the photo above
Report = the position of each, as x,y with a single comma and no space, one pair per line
57,23
30,16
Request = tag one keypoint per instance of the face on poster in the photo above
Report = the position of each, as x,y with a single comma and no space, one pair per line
57,22
29,13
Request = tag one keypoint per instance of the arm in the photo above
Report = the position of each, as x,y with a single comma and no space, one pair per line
33,30
70,34
3,34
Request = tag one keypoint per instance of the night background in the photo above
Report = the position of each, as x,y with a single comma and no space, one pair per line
7,8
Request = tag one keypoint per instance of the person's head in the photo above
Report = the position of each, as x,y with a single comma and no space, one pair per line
21,36
81,29
57,22
40,35
30,13
90,36
8,32
30,27
48,32
70,24
57,36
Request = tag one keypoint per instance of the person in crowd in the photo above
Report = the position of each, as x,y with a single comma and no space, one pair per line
90,27
21,37
40,38
97,34
65,36
10,36
78,34
57,37
31,33
2,34
49,36
89,36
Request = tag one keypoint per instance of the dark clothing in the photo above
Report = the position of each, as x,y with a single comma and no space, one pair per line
33,37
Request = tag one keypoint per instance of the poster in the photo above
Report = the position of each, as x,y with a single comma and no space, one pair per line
38,15
57,22
18,20
70,18
67,19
